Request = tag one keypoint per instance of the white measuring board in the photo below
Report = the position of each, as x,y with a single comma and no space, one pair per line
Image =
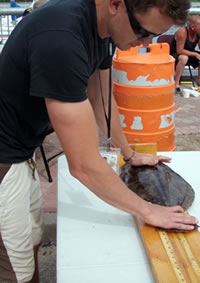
97,242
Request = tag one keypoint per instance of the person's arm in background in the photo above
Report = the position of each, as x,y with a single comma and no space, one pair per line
181,36
75,126
117,135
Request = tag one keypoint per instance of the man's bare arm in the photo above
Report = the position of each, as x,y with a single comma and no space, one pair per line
75,127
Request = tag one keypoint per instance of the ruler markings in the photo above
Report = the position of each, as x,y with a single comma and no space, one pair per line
190,255
172,257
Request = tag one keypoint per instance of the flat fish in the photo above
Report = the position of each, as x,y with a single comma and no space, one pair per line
159,185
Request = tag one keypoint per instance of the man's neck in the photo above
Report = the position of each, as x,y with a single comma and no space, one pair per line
102,18
192,34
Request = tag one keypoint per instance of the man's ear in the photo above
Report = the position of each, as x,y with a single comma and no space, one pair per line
114,5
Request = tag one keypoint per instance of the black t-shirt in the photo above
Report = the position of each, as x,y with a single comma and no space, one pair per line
51,53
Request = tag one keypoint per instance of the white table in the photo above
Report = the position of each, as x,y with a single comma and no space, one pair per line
98,243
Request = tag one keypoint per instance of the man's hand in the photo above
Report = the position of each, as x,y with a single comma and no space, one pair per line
148,159
169,218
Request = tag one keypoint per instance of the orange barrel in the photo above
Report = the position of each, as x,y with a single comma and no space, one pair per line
144,90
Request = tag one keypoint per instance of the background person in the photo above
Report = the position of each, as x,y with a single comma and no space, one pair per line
182,48
60,81
36,5
39,3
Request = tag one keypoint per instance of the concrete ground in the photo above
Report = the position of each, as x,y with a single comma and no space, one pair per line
187,123
47,251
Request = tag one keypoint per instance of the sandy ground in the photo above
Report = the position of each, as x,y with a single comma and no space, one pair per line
47,253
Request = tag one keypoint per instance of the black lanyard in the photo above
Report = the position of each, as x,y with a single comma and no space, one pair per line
107,117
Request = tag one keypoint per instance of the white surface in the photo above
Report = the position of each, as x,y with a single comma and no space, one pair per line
187,164
98,243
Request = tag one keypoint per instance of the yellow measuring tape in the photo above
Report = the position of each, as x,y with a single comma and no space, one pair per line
190,255
173,259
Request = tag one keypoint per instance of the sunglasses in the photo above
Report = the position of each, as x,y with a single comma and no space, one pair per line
139,31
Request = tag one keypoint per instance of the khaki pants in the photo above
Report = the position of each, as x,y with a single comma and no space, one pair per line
21,222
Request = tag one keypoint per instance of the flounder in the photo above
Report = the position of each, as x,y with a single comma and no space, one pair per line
158,184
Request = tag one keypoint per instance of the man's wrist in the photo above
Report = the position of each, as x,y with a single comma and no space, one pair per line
145,210
130,157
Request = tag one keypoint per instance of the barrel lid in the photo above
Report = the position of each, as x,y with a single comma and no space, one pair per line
155,54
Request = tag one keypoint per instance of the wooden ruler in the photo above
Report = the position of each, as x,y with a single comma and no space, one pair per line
174,257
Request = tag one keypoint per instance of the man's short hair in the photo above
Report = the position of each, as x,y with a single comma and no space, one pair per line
177,10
